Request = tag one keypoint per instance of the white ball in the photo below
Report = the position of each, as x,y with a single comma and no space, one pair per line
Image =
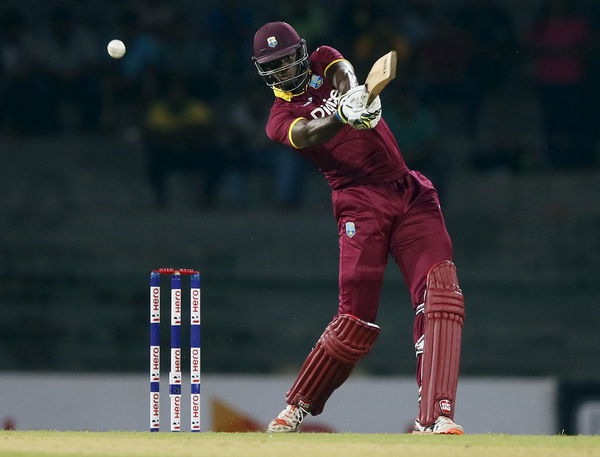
116,49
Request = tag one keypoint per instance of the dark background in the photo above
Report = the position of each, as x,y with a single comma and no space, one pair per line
110,168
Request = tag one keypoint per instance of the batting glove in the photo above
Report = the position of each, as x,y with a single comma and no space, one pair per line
352,110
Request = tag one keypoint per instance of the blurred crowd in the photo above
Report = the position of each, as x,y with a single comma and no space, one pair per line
188,92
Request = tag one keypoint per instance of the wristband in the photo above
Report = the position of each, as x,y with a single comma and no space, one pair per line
340,116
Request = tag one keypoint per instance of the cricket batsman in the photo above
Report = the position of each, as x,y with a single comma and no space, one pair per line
382,208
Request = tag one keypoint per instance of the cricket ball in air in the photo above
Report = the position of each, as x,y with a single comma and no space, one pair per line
116,49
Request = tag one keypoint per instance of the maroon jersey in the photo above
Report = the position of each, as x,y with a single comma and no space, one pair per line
351,157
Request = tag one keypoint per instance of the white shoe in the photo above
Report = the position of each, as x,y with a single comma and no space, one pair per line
442,426
288,420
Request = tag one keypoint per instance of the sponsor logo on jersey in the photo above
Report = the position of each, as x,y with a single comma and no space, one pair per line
316,81
328,106
272,41
350,229
446,406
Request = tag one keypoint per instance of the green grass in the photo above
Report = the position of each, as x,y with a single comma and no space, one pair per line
125,444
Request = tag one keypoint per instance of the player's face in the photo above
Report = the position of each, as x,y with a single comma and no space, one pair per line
284,66
284,70
288,73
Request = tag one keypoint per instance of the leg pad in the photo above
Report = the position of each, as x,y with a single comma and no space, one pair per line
344,342
444,316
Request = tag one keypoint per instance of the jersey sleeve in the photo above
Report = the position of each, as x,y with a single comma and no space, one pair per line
280,125
323,58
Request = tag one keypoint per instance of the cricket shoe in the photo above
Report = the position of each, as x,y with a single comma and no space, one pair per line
288,420
442,426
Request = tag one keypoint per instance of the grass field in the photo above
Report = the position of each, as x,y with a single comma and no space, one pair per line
117,444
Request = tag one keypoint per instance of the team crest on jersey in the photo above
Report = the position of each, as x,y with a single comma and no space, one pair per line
350,229
316,81
272,41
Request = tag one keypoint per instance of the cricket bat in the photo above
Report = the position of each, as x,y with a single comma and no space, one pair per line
382,72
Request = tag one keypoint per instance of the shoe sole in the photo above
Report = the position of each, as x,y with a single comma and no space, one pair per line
453,431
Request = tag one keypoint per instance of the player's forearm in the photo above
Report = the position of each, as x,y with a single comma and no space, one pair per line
321,130
317,131
344,78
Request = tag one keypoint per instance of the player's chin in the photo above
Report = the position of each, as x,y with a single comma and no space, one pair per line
293,85
287,87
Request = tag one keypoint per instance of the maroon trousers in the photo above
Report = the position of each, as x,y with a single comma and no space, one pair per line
402,219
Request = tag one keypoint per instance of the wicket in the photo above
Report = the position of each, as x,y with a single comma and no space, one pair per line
175,366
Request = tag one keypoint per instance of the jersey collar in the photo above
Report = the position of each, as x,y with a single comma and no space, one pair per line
285,95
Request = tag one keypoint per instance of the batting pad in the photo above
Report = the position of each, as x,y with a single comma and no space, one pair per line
444,316
344,342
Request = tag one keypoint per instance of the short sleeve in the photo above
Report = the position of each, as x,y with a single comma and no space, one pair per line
323,58
280,124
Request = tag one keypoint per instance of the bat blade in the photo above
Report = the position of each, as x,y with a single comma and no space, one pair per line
382,72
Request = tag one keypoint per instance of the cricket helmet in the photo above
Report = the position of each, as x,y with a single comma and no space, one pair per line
273,43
